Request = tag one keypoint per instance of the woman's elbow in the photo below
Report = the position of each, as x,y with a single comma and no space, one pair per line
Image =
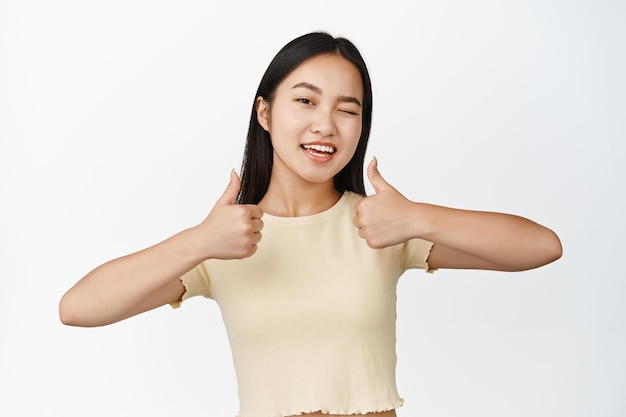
68,313
550,248
555,250
543,248
72,312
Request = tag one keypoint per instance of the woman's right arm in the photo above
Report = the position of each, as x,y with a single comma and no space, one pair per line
150,278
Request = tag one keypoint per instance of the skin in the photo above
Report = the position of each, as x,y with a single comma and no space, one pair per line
463,239
317,104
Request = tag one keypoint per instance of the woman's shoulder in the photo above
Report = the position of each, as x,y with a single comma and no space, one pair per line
351,196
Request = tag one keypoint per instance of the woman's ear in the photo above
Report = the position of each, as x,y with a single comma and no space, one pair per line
263,113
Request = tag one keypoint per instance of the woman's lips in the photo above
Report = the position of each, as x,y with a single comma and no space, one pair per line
319,152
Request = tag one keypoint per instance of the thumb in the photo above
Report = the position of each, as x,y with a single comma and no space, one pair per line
377,181
230,194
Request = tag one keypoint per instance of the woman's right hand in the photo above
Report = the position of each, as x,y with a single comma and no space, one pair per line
230,231
147,279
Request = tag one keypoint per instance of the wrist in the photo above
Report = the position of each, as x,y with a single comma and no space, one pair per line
423,221
194,246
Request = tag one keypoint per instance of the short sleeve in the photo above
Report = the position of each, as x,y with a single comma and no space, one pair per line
416,253
196,282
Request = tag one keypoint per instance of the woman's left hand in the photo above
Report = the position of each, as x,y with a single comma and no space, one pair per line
385,218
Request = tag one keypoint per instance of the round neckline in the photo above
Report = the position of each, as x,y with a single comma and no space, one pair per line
311,217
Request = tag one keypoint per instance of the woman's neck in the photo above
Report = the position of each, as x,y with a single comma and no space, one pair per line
285,199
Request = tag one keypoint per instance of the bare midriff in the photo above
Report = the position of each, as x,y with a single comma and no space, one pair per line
390,413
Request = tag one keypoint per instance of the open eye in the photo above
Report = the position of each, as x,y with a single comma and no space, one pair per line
304,100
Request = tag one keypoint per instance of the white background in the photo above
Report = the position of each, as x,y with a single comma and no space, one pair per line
120,121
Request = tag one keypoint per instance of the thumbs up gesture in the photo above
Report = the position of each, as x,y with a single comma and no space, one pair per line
384,218
231,231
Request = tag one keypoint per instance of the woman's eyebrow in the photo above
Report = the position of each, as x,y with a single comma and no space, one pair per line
317,90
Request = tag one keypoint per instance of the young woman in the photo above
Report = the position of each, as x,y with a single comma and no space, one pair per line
309,305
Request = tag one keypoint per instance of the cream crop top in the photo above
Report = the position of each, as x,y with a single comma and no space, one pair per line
311,315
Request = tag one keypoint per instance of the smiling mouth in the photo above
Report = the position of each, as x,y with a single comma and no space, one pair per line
319,150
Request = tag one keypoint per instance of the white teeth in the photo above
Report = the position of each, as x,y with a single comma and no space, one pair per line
320,148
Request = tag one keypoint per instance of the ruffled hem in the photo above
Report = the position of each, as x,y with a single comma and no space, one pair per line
345,412
428,268
357,413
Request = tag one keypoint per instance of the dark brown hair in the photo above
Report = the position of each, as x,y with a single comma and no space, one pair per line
258,154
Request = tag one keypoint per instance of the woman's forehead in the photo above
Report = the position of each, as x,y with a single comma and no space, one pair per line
330,73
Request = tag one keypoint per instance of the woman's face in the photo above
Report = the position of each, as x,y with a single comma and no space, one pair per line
314,120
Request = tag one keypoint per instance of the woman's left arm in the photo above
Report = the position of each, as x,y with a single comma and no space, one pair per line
464,239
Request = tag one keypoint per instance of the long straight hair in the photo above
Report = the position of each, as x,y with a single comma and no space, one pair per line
257,162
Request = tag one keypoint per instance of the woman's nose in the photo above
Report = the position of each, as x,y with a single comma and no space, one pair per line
324,123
